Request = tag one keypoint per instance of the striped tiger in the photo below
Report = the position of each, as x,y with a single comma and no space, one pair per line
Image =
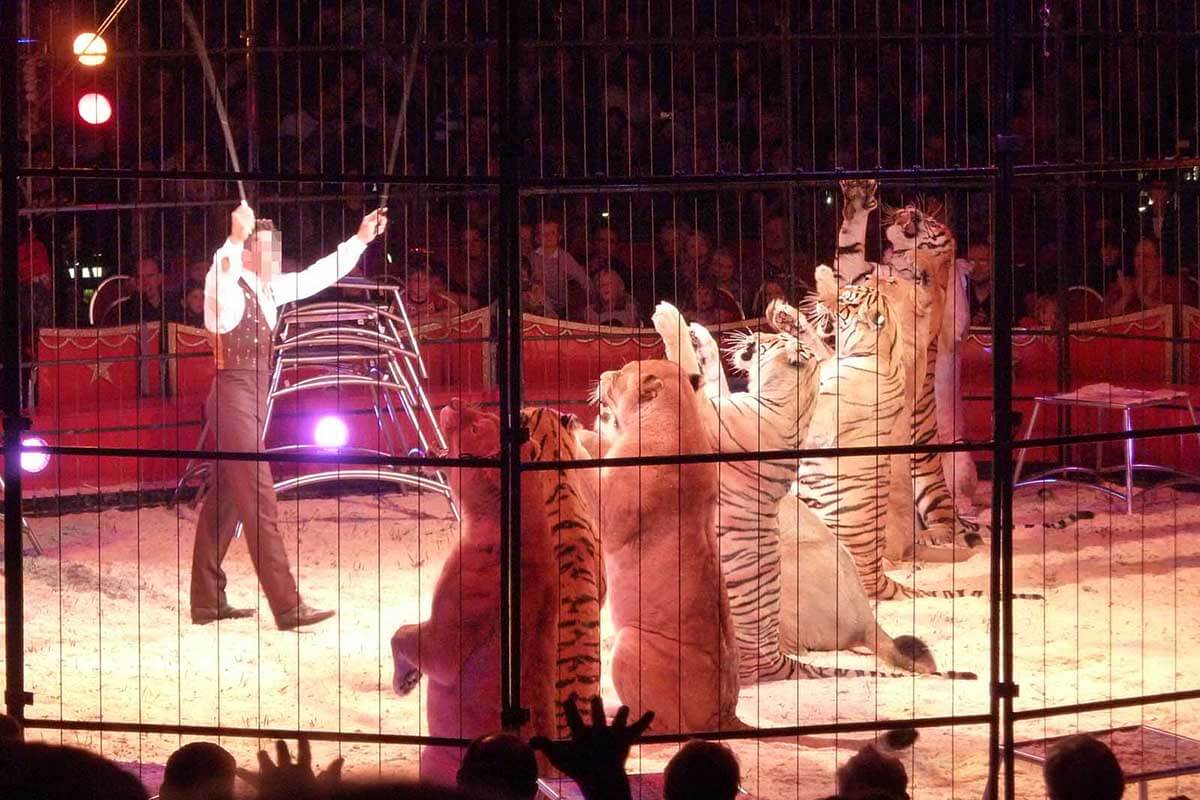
772,414
581,588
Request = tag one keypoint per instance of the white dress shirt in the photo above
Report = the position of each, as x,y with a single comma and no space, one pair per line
223,300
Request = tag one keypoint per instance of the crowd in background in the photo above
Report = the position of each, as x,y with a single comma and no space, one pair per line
629,90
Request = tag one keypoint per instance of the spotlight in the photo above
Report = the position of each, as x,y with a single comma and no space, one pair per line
94,109
90,49
330,432
34,462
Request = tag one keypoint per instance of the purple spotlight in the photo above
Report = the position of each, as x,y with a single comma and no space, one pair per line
331,432
34,462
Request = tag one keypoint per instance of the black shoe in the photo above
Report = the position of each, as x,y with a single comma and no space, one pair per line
301,615
203,616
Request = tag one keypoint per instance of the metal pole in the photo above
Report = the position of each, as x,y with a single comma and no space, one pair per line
15,697
508,373
1005,148
251,88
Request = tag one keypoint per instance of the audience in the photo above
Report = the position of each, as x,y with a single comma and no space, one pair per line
1142,286
869,770
150,303
566,283
1083,768
611,304
199,771
701,771
193,305
499,767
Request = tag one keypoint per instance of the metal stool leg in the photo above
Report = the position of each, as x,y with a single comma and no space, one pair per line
1127,418
1028,434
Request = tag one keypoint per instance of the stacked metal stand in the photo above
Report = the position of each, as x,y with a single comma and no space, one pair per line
369,345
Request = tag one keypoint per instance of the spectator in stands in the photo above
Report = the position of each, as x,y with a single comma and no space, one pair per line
35,301
499,767
525,233
723,273
702,771
712,306
697,252
151,303
471,276
1083,768
979,291
567,283
670,275
611,303
771,289
872,771
533,293
1141,287
779,263
193,305
199,771
604,251
423,300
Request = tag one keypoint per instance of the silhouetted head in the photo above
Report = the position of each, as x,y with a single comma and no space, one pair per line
199,771
499,766
1083,768
871,770
701,771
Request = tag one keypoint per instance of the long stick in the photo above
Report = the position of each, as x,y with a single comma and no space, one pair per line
202,52
402,116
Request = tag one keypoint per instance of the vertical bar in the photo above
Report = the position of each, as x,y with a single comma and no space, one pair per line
508,372
10,356
248,35
1004,152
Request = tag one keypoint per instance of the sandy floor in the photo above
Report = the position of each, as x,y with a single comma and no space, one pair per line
108,637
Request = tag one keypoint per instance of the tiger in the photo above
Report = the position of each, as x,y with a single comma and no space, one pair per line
772,414
918,281
580,586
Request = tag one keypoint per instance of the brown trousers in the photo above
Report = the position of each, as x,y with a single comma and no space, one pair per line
240,491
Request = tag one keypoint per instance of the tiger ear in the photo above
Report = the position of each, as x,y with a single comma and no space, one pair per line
570,422
651,386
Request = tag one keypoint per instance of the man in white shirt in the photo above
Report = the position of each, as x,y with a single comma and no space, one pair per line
243,291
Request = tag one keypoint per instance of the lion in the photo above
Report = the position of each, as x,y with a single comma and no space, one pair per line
674,650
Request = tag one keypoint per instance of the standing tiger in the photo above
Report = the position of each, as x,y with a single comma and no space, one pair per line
918,282
580,586
772,414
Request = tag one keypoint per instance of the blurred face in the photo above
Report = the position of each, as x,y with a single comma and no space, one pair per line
668,239
195,300
1110,254
264,254
775,234
1146,261
605,242
416,287
610,287
549,236
705,299
722,267
697,247
472,243
1047,312
149,277
980,256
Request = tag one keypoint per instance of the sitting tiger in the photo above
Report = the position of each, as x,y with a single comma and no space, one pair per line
772,414
580,587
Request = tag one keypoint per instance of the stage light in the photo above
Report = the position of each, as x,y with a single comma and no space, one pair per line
94,109
90,49
34,462
330,432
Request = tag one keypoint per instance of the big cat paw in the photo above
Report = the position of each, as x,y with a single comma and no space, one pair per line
404,681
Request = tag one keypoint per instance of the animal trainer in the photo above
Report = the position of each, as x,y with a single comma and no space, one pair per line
243,292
